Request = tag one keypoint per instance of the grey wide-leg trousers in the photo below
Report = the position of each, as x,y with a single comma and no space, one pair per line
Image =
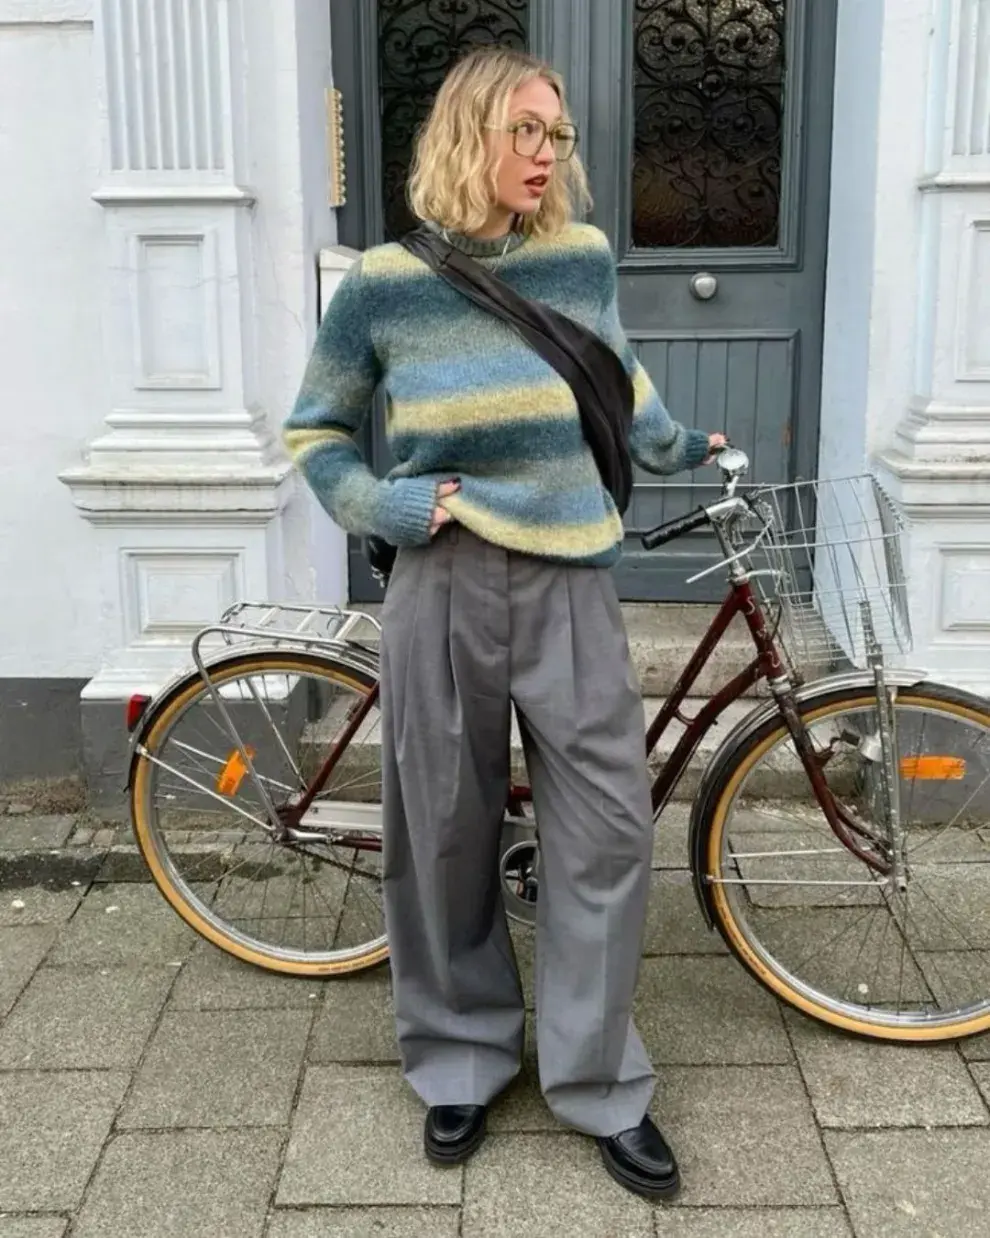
468,629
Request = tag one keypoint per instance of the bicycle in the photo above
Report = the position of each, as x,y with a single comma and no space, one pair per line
835,839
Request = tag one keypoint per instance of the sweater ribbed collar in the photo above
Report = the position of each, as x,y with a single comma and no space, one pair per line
479,247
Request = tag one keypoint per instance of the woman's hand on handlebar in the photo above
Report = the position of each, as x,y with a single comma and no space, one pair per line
715,442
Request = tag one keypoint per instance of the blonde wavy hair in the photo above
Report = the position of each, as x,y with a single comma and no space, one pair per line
453,177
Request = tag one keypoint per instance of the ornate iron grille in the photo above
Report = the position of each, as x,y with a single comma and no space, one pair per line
708,87
418,40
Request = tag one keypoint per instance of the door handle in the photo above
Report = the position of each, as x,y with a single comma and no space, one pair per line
704,286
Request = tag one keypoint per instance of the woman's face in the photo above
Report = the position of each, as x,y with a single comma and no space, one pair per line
522,179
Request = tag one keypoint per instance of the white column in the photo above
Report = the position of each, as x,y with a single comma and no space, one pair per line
214,192
937,459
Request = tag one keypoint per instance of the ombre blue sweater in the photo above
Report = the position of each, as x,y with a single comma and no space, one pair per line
467,398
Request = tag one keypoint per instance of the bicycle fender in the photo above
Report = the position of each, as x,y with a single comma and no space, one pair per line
348,655
724,759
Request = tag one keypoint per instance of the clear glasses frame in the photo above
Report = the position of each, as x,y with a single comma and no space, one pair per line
530,135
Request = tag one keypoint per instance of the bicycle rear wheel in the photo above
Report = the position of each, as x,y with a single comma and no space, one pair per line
307,907
818,925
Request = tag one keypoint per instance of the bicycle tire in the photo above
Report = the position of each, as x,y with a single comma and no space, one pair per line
715,803
156,727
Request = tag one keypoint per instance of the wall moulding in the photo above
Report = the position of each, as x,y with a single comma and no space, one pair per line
46,12
174,195
973,314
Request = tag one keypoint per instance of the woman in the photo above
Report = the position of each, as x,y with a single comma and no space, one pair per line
501,595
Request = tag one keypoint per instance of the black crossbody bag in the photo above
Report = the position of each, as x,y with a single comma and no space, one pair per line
602,388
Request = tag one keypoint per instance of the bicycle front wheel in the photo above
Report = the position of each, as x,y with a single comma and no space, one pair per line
207,825
831,934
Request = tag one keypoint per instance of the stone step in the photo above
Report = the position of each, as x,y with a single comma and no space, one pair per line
785,780
663,635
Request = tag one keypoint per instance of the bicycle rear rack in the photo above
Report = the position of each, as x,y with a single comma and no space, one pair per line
289,625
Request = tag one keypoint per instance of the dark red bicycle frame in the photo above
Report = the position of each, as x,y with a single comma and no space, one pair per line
767,664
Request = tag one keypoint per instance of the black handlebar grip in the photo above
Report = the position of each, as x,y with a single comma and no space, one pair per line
664,533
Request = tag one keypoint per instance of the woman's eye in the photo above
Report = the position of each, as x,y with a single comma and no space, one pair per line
527,128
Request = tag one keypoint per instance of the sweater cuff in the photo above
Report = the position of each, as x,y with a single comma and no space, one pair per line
407,510
696,448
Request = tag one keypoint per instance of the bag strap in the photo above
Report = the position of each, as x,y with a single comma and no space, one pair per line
602,388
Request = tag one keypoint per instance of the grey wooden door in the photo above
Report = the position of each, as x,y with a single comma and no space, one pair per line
709,145
706,130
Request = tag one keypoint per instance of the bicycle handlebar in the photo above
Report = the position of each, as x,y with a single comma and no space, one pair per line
664,533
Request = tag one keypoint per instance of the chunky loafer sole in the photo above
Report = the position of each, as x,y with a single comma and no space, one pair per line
640,1184
451,1153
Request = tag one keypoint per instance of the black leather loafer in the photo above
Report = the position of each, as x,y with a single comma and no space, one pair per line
453,1132
641,1160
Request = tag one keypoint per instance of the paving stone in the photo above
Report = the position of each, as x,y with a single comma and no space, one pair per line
32,1227
753,1223
957,978
981,1074
744,1136
357,1138
521,1107
119,925
52,1127
34,833
858,1083
122,862
524,944
949,907
914,1183
707,1010
670,837
191,1184
768,858
364,1223
83,1020
219,1068
210,979
544,1186
356,1022
69,869
38,904
263,894
674,923
841,952
21,951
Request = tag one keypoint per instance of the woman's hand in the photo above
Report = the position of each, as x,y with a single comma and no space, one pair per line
715,441
440,514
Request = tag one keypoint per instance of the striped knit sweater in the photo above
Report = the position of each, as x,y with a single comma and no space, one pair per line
466,398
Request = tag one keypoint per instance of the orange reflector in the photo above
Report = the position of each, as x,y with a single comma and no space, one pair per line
933,769
233,773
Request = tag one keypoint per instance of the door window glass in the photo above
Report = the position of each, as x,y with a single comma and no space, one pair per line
418,41
708,88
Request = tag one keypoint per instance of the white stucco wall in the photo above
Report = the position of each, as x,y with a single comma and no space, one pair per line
56,387
52,381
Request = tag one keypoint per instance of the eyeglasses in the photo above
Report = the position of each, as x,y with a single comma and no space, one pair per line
529,136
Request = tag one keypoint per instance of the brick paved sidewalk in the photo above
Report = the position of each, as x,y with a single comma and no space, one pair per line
151,1085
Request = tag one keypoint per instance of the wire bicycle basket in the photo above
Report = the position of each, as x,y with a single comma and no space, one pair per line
828,560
